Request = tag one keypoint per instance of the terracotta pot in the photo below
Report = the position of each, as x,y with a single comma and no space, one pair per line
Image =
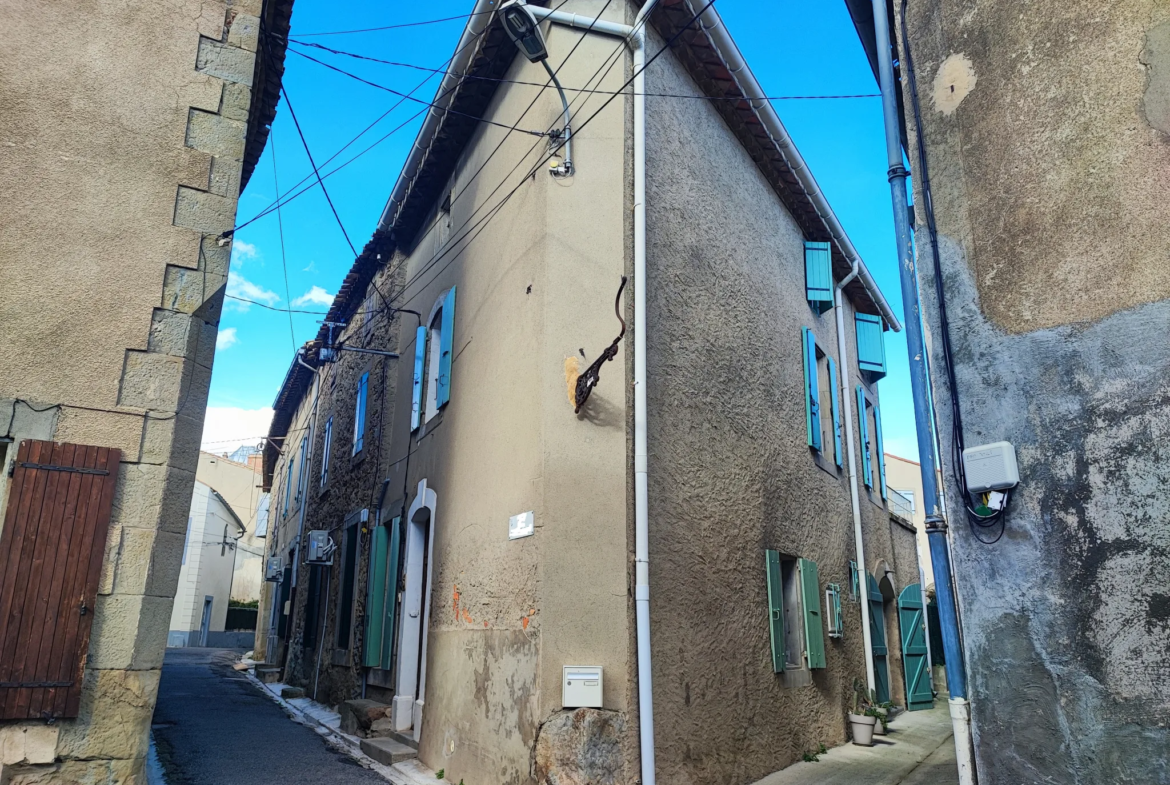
862,727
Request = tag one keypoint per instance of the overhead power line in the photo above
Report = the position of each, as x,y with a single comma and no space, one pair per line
397,26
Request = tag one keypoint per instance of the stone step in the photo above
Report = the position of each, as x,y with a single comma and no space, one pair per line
388,751
379,731
268,675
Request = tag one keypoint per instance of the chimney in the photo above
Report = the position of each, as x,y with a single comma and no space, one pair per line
256,462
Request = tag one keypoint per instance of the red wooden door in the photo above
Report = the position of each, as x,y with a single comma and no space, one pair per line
51,553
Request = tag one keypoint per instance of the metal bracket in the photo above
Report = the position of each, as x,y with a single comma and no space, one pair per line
53,468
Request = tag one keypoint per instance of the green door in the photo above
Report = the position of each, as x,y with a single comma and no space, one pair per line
919,693
877,636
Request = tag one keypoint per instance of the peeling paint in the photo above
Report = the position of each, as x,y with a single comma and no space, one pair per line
1156,58
954,81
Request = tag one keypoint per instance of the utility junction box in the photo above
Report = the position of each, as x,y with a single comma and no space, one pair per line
582,687
991,467
274,570
321,548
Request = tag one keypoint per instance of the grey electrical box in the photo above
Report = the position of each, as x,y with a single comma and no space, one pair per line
991,467
274,569
320,548
581,687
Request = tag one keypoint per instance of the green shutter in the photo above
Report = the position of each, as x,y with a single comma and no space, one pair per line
376,598
812,404
447,342
810,597
818,275
836,412
775,609
420,359
863,434
877,426
854,584
838,618
391,602
871,345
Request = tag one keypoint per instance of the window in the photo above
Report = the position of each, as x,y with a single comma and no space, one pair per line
820,378
433,353
818,275
871,345
908,496
303,471
794,612
288,485
359,417
833,611
867,412
328,443
348,577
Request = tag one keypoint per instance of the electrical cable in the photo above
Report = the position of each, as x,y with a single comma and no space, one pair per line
398,26
974,518
567,89
280,230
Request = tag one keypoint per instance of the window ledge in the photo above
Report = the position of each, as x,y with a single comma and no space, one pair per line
357,457
875,498
825,464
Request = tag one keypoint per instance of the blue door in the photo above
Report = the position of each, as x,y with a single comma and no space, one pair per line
919,692
877,636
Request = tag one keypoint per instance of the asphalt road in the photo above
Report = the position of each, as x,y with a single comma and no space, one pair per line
214,727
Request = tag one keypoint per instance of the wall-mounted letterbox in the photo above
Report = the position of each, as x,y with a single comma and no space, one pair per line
582,687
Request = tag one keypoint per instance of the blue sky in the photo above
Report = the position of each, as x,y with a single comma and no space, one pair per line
793,49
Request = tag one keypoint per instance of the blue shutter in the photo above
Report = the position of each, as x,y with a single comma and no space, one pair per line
836,412
877,426
812,403
420,359
818,275
359,415
863,433
391,603
871,345
446,342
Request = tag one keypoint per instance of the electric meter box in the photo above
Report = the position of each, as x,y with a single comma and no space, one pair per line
991,467
320,548
274,571
581,688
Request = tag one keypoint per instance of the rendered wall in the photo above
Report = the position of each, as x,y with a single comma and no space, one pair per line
124,135
1046,126
731,473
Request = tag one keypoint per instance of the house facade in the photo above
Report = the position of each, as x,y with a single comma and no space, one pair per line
129,132
483,552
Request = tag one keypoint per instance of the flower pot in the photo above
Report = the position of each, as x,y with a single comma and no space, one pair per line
862,728
878,728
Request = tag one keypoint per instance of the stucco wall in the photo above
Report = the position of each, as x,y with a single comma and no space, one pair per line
123,137
731,473
1049,181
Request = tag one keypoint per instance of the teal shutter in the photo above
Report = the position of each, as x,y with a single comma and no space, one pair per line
871,345
818,275
376,598
775,609
812,402
446,342
836,412
854,584
877,638
877,426
919,689
359,415
391,602
838,618
420,359
810,598
863,433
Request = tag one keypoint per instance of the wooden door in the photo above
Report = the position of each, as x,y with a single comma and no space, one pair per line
51,553
919,692
877,636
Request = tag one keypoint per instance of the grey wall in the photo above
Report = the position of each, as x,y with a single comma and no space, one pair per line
1049,162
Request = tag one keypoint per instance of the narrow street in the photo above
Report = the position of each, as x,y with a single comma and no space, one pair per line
213,726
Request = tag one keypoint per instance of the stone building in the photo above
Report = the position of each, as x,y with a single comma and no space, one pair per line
1044,131
472,515
129,131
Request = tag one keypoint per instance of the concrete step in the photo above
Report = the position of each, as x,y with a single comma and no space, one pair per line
268,675
402,737
388,751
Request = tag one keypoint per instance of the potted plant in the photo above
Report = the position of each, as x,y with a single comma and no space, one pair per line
882,712
862,719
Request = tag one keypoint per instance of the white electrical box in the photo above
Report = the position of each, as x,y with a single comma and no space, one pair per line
581,687
274,570
991,467
320,548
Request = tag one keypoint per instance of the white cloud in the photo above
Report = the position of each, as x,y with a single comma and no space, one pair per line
226,428
312,268
316,296
243,252
226,339
239,286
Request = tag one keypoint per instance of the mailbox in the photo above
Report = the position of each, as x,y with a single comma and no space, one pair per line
582,687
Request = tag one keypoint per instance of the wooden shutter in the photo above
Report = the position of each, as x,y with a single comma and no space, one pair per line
775,609
818,275
919,690
447,343
391,603
812,403
881,450
863,433
871,345
420,360
376,598
51,554
836,412
810,598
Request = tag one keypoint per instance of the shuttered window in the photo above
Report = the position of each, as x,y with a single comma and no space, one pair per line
810,599
420,359
775,609
833,618
812,398
863,435
818,275
328,445
51,554
446,344
836,412
359,417
871,345
881,451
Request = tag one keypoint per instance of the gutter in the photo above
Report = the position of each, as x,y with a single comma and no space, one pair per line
733,60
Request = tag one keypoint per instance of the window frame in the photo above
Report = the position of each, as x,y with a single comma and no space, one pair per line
326,449
361,404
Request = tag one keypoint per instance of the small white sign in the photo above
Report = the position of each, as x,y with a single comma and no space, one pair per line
522,525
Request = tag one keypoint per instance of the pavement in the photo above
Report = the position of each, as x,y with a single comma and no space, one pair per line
212,726
917,751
